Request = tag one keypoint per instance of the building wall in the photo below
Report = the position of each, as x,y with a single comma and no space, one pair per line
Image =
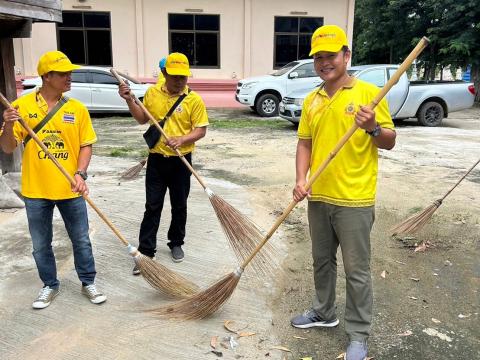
139,30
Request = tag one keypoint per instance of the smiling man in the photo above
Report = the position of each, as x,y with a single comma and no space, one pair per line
341,201
64,126
186,124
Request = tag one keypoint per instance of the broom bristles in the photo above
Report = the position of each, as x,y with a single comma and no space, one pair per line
415,222
203,303
163,279
134,171
244,236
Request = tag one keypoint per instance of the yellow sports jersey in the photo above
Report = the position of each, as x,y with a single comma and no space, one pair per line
68,130
190,114
351,177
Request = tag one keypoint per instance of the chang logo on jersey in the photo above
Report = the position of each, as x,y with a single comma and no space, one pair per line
55,146
32,116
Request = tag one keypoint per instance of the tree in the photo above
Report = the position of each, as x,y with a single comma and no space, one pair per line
385,31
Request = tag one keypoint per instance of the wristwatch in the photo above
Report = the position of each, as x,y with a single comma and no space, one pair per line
375,132
83,174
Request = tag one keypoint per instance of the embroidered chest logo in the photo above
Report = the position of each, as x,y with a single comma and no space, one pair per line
69,117
350,109
179,109
32,116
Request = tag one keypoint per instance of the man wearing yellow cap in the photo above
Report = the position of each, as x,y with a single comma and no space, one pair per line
341,201
165,170
68,135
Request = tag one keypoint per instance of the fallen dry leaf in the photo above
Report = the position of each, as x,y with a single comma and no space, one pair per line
283,348
299,337
413,298
218,353
436,321
415,279
421,248
306,358
246,333
228,325
369,358
461,316
213,342
383,274
406,333
225,346
341,356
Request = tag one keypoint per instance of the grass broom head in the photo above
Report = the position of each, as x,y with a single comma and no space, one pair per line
415,222
244,236
163,279
134,171
203,303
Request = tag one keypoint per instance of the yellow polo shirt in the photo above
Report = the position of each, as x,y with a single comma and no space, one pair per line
350,178
190,114
68,130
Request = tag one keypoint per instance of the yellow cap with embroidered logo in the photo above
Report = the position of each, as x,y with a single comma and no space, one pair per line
55,61
177,64
329,38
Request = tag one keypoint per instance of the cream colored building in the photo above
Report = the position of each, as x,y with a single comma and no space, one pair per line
234,38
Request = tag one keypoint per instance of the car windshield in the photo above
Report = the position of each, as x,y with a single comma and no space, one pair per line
285,68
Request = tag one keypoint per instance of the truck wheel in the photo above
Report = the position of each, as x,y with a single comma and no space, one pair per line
430,114
267,105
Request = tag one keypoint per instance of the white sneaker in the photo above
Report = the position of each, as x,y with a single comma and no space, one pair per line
93,294
45,297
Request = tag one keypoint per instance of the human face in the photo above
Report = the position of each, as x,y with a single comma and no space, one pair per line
59,81
331,66
175,83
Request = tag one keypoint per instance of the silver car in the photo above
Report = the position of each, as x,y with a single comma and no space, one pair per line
96,88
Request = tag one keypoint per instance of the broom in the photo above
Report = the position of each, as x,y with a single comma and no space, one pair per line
133,172
415,222
211,299
157,275
242,233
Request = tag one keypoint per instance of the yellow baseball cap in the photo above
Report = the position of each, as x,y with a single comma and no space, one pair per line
55,61
329,38
177,64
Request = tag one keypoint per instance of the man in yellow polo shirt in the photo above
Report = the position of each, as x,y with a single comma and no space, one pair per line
341,201
165,169
69,136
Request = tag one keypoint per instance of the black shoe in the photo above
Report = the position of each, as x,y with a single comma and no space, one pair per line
177,254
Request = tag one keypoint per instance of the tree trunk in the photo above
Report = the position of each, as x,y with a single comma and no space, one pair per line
475,78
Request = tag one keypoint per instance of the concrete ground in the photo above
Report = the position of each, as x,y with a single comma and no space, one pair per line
432,317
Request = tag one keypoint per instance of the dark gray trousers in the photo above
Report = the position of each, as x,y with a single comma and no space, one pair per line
349,227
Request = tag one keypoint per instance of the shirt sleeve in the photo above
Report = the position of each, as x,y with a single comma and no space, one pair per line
382,115
199,113
87,133
304,130
19,132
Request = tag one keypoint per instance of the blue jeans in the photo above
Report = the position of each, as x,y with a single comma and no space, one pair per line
74,214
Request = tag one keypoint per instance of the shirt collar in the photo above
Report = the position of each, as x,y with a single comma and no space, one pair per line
163,88
349,85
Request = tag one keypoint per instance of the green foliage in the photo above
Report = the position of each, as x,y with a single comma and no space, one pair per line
386,31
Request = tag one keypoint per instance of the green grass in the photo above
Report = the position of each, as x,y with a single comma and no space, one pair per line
249,123
122,152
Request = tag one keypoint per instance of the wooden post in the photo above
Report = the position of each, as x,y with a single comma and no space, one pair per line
8,162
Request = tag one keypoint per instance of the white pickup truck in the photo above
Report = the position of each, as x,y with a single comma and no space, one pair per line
429,102
264,93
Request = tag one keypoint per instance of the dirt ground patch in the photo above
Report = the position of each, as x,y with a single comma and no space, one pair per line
422,167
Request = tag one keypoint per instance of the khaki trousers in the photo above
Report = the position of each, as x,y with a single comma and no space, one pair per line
331,226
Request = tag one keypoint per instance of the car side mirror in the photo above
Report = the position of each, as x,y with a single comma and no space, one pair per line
293,75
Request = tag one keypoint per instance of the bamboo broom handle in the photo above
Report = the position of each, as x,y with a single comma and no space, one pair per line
34,136
459,181
157,125
422,44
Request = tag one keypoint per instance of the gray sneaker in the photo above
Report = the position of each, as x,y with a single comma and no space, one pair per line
310,319
177,254
45,297
95,296
356,350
